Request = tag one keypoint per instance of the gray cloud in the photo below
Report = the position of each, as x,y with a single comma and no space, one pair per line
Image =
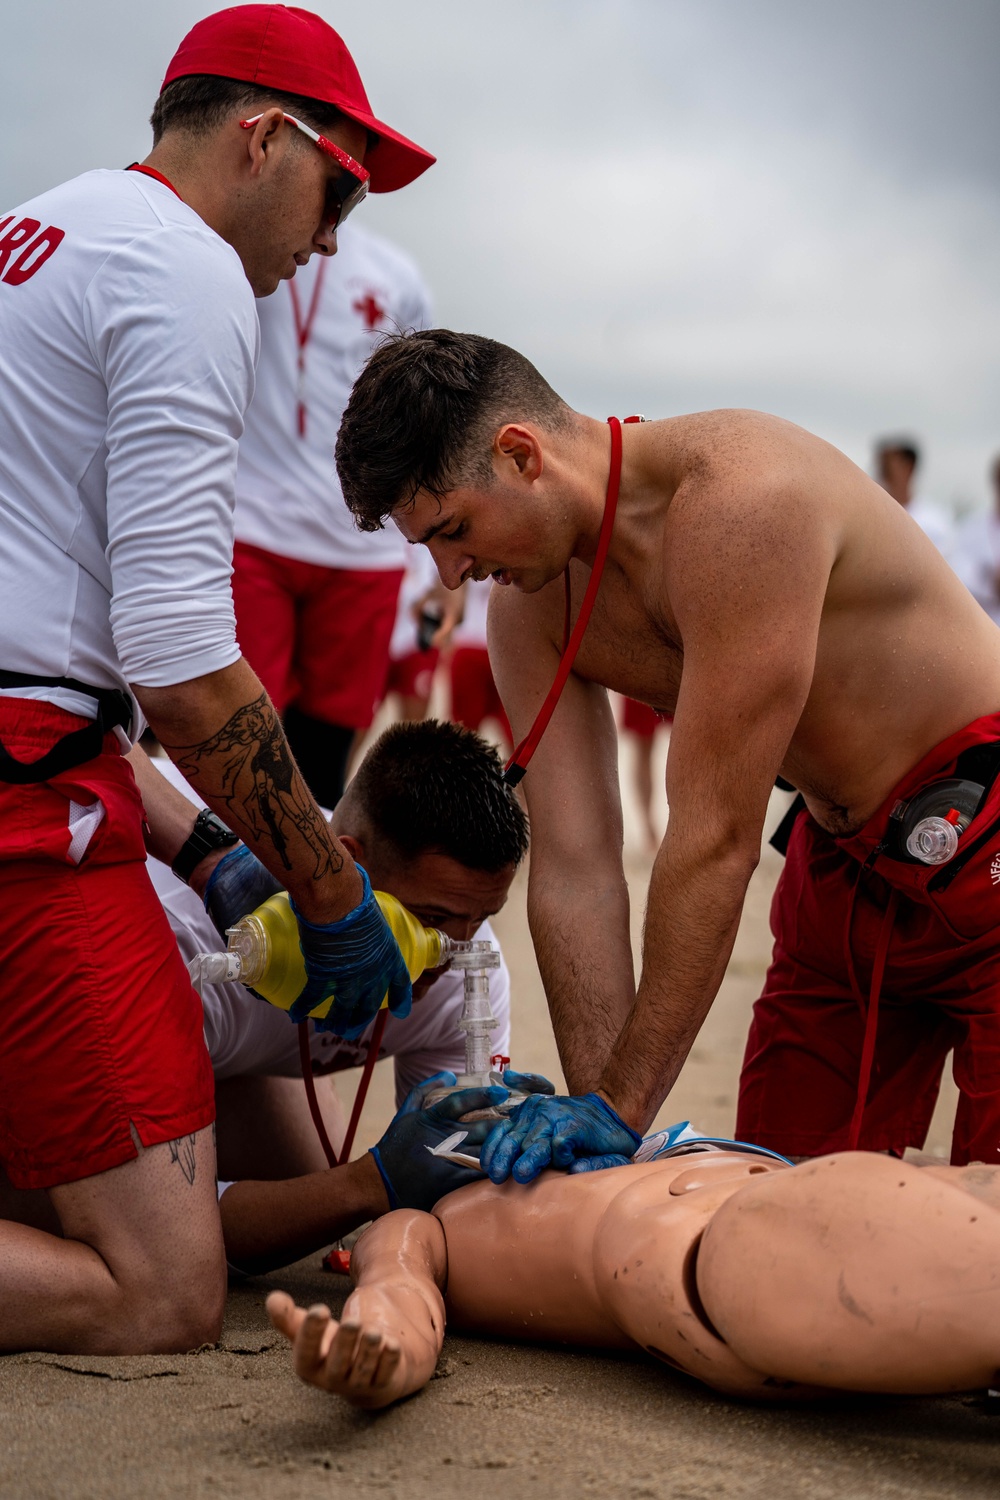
668,204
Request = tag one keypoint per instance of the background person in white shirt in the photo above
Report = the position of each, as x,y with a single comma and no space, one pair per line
474,695
977,551
896,464
316,598
129,336
412,663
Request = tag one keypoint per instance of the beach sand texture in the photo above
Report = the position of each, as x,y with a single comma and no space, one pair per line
498,1419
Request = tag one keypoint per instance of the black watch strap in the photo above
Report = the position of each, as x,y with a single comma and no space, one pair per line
209,833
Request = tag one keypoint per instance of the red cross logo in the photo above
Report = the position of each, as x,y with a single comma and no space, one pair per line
370,309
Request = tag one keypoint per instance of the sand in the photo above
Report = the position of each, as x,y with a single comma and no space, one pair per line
498,1418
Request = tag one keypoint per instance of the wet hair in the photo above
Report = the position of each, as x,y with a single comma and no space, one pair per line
905,447
200,103
423,414
432,787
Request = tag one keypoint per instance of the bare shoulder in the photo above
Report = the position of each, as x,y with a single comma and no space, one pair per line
754,463
733,440
749,489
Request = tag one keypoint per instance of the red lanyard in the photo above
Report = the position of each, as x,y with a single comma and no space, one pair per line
518,763
157,176
303,333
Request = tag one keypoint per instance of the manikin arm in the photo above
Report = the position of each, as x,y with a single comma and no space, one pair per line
387,1342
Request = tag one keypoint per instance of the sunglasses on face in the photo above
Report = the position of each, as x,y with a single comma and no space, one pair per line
343,192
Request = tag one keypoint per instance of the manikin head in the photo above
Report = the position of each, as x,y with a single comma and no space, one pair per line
430,817
467,448
223,137
896,463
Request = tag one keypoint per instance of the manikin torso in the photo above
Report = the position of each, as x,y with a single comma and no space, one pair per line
604,1260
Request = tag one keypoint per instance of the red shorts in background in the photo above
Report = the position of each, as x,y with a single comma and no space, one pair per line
412,676
474,695
317,637
941,988
100,1030
640,719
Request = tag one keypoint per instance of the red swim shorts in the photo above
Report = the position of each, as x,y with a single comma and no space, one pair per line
474,695
317,637
640,719
100,1030
941,988
412,676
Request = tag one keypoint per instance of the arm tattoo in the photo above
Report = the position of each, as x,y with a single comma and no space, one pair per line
183,1153
261,783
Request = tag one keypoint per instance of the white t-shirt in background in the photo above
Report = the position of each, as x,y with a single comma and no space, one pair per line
289,499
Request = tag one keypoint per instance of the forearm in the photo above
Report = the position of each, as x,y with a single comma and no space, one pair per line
694,905
224,735
271,1224
169,818
580,929
400,1267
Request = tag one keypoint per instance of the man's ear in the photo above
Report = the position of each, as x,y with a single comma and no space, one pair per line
518,448
262,137
354,847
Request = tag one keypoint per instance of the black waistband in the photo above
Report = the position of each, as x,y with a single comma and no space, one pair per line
114,707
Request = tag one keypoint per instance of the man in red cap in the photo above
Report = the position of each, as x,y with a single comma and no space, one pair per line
129,333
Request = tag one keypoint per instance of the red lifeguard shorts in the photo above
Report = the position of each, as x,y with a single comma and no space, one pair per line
474,695
317,637
412,676
100,1030
640,719
941,987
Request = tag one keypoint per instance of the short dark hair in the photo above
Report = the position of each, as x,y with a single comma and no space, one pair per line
423,413
905,447
434,787
200,103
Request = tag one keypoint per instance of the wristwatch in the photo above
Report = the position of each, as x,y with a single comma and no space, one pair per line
209,833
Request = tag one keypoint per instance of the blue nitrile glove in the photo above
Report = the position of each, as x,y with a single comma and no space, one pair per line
238,885
527,1083
544,1132
357,960
413,1176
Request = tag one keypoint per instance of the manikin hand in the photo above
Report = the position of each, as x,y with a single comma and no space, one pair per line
359,1359
544,1132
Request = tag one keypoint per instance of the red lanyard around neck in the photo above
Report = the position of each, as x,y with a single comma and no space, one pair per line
518,763
137,166
303,333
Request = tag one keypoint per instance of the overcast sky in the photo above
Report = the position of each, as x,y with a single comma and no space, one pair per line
667,204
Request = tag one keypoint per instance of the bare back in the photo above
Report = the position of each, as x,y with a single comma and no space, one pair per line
743,538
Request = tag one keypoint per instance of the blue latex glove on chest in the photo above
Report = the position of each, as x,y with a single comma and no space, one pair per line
238,885
557,1132
413,1176
358,961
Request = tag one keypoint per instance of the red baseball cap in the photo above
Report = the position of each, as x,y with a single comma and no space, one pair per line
282,47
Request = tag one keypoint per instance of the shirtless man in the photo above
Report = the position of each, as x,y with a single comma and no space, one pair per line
762,1280
793,619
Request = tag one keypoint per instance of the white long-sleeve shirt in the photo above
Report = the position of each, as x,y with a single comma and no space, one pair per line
126,365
